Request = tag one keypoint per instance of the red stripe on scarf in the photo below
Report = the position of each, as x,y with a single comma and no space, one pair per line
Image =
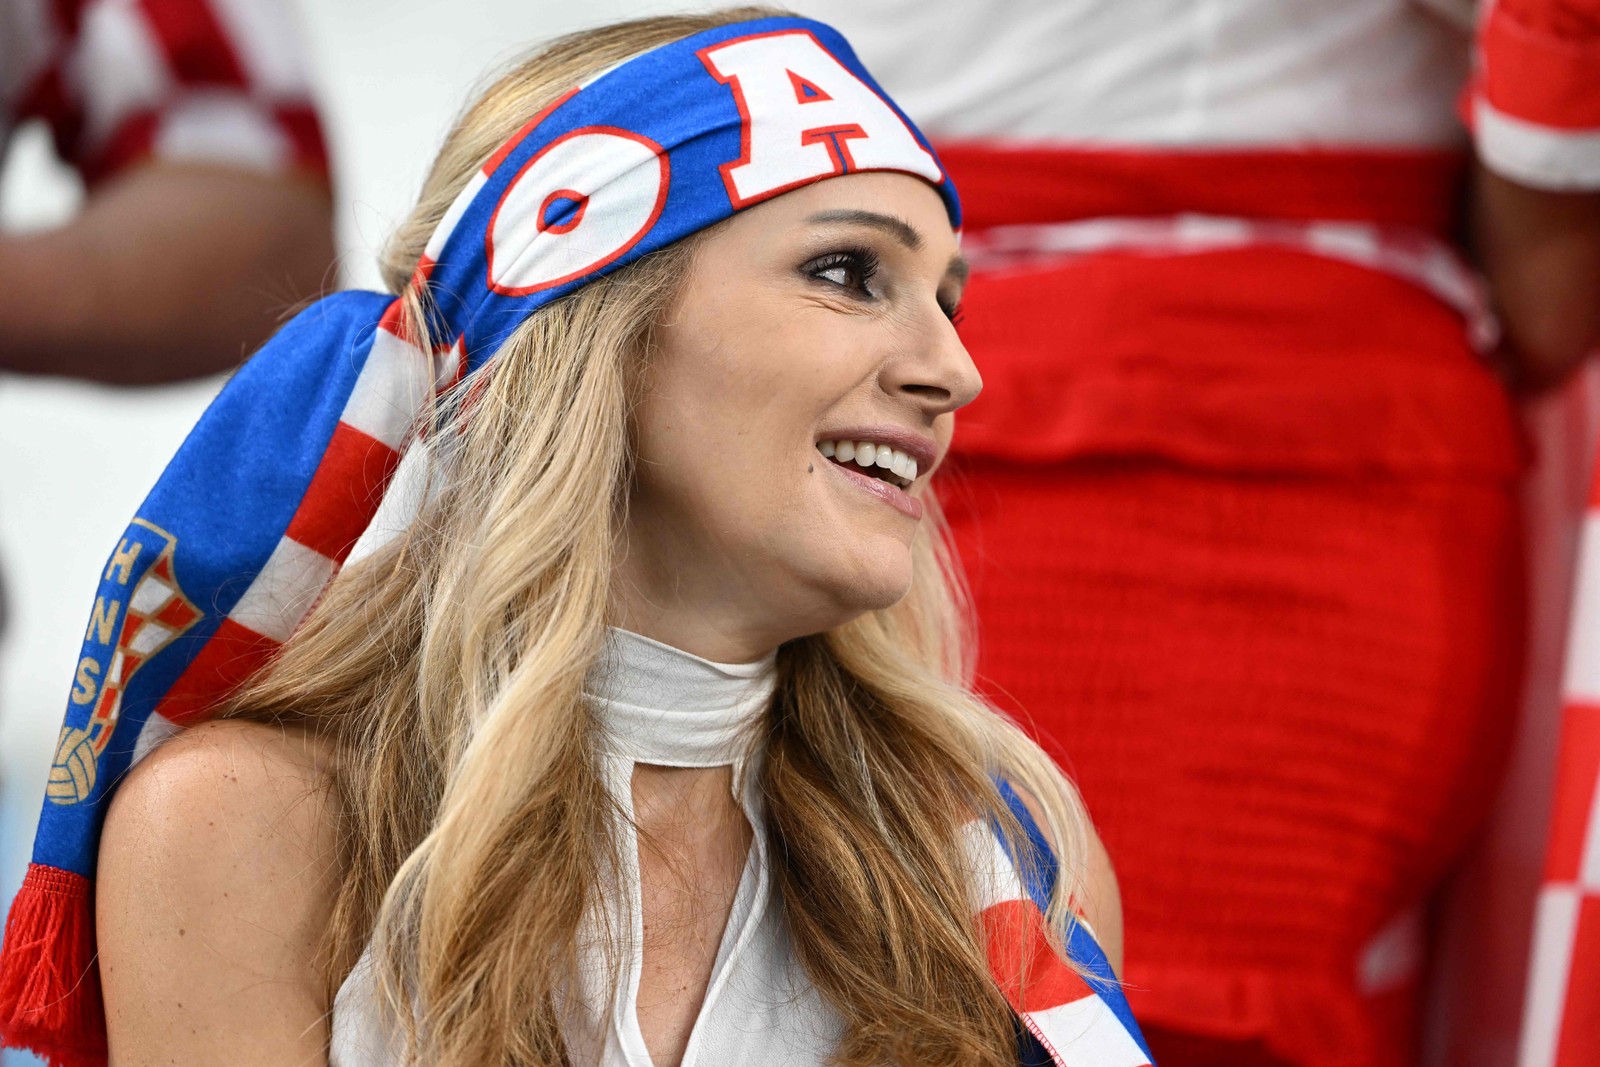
1029,973
233,654
344,493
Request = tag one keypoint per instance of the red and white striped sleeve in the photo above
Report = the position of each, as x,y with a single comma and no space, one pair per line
214,81
1534,105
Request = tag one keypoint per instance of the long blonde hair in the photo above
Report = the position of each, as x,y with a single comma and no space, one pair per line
446,671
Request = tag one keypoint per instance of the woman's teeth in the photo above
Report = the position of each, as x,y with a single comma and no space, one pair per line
893,466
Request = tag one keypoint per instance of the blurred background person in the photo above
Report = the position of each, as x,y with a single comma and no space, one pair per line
1242,505
1535,111
208,209
206,213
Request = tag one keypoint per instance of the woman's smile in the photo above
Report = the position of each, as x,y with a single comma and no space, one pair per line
882,462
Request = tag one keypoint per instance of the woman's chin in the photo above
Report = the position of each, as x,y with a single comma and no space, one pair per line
868,589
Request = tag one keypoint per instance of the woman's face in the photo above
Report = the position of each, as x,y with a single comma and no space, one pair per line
808,327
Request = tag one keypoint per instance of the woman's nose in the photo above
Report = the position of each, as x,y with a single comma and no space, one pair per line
938,373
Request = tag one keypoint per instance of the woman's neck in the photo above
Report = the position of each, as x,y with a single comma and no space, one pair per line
709,634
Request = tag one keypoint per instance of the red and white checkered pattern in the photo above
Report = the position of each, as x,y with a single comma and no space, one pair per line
395,388
219,81
1561,1021
1408,254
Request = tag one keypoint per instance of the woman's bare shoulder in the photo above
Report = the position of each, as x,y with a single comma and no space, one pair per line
218,867
211,783
219,803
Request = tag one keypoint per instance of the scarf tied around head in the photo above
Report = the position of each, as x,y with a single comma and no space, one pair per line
285,470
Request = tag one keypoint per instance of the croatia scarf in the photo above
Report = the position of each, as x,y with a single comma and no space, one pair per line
265,499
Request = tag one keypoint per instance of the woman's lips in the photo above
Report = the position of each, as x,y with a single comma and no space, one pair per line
893,495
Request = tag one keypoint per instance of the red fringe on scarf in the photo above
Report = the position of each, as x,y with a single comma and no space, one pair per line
49,976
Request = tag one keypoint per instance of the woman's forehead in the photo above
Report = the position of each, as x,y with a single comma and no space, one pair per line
905,208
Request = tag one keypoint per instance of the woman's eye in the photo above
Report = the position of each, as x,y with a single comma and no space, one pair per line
853,270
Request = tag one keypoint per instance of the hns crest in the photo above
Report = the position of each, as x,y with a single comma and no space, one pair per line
139,611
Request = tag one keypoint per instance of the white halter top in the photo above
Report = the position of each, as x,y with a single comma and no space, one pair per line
660,705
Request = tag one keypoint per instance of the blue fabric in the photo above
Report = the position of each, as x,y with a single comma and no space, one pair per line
1039,871
222,503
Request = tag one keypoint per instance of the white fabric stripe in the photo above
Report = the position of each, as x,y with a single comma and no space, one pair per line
448,365
994,877
1589,862
156,729
1555,922
285,590
265,39
1205,231
150,595
1583,643
1338,240
1086,1033
118,68
1541,156
394,386
402,501
222,127
447,225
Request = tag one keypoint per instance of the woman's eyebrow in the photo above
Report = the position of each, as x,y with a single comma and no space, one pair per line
899,229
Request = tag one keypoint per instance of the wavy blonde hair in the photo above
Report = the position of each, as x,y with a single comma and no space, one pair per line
446,670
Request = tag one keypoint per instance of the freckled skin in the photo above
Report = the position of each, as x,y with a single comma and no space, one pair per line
217,919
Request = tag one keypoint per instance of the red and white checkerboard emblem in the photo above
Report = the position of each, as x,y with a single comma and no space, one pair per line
133,623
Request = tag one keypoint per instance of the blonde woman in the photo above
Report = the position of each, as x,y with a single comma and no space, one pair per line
649,740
